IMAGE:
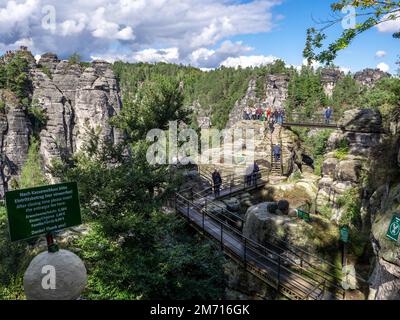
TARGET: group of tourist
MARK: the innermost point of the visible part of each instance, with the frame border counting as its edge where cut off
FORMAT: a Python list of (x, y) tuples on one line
[(251, 177), (268, 115)]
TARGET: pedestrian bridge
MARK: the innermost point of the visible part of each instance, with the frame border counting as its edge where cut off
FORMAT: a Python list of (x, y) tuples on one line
[(291, 271), (319, 121)]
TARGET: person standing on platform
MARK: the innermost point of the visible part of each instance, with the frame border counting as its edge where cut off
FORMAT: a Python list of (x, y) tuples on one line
[(217, 181), (328, 115)]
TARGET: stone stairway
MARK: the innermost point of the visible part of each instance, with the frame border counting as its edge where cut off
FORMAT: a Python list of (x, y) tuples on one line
[(276, 166)]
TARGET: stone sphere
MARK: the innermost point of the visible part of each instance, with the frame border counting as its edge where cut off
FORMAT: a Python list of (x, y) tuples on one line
[(55, 276)]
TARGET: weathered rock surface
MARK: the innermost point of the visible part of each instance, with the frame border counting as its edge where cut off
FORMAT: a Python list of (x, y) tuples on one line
[(368, 77), (340, 174), (385, 280), (329, 79), (275, 94), (73, 99), (14, 141)]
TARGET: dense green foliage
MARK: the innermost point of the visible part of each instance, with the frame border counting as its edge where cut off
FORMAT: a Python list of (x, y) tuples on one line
[(216, 91), (15, 76), (385, 97), (134, 250), (157, 102), (32, 172), (306, 93), (14, 259)]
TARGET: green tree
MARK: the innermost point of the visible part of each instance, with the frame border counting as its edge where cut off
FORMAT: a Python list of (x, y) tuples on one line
[(134, 250), (157, 102), (3, 76), (17, 72), (345, 94), (371, 13), (32, 173)]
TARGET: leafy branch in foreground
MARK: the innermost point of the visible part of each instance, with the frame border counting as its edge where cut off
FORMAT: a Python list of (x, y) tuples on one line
[(371, 12)]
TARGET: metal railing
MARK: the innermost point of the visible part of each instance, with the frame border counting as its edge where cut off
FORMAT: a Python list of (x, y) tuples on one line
[(264, 263), (311, 119)]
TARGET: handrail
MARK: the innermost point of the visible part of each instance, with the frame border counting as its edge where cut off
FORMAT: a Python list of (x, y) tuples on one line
[(286, 248), (303, 255), (247, 240)]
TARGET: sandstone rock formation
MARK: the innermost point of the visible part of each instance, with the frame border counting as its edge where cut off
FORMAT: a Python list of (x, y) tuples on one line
[(275, 94), (73, 99), (341, 172), (329, 79), (368, 77)]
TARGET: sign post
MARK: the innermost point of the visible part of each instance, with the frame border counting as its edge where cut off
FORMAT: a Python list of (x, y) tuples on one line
[(344, 234), (393, 232), (43, 210), (303, 215)]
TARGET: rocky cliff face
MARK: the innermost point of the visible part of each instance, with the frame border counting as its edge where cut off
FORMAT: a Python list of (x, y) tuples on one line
[(275, 94), (342, 171), (73, 99), (329, 79), (368, 77)]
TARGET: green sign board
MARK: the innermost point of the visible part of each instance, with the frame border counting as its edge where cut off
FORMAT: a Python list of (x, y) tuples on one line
[(303, 215), (393, 232), (38, 211), (344, 234)]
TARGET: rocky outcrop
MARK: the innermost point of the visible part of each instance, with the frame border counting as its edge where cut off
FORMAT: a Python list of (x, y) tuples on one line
[(15, 129), (329, 79), (73, 100), (342, 170), (385, 280), (274, 96), (368, 77)]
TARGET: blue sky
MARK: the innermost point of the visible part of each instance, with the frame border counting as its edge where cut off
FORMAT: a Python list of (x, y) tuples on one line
[(206, 33)]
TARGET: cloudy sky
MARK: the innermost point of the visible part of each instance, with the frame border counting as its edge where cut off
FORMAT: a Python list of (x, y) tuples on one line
[(202, 33)]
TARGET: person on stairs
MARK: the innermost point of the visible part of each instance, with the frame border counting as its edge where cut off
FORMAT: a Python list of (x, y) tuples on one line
[(328, 114), (277, 152), (217, 181), (272, 126)]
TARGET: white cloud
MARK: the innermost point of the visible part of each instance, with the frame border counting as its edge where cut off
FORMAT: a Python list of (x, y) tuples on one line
[(71, 27), (14, 13), (207, 58), (383, 67), (109, 30), (380, 54), (390, 25), (126, 28), (248, 61), (170, 55)]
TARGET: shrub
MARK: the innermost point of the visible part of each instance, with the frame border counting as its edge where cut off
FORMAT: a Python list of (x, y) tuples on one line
[(350, 203), (32, 173)]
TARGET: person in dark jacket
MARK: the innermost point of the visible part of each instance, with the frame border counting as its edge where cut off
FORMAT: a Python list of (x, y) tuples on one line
[(256, 171), (217, 181), (277, 152), (328, 114)]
